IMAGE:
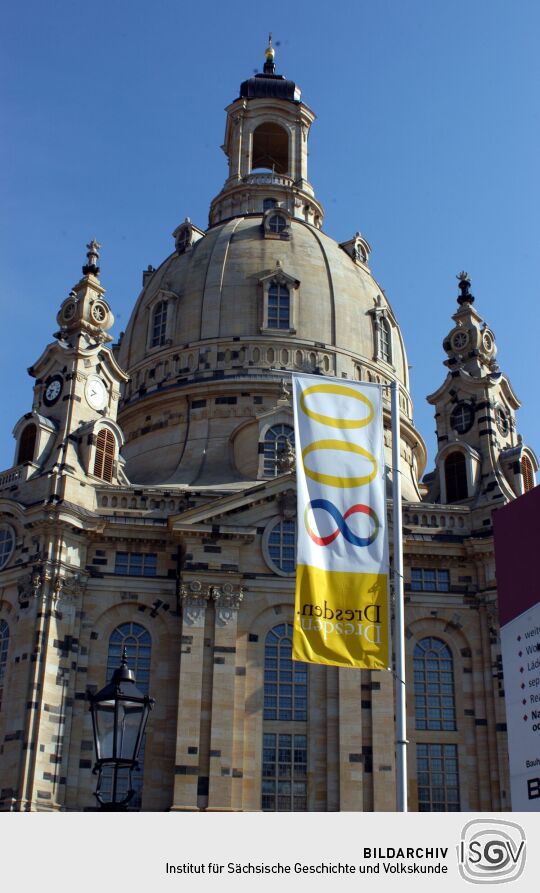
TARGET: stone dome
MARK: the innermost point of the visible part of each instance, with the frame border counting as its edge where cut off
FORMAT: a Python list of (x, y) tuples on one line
[(217, 345), (218, 287)]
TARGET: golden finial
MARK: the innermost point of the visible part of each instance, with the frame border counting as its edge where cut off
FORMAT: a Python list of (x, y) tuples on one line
[(270, 51)]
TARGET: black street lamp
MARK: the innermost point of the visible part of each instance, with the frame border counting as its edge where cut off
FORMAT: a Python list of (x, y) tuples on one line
[(119, 716)]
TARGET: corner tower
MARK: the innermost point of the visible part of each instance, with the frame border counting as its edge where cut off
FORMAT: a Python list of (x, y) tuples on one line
[(481, 461), (266, 143)]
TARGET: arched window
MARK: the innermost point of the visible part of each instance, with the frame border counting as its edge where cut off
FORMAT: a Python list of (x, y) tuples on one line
[(276, 439), (456, 477), (284, 763), (528, 474), (435, 707), (270, 148), (269, 203), (138, 644), (4, 645), (435, 710), (27, 444), (105, 451), (159, 324), (279, 306), (277, 223), (385, 340)]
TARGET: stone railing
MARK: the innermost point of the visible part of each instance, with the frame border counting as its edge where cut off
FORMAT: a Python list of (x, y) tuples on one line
[(11, 476), (435, 518), (145, 501), (269, 179)]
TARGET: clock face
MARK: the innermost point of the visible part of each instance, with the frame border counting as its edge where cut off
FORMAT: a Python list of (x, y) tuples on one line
[(488, 341), (53, 390), (96, 393)]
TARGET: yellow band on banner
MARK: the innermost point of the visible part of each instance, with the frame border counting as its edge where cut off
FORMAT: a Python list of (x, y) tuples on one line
[(343, 391), (341, 618), (336, 480)]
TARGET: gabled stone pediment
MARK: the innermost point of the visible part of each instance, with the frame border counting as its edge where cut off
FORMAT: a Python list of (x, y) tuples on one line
[(232, 510), (279, 275)]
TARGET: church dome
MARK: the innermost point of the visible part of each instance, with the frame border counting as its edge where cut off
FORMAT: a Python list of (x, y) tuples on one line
[(262, 293)]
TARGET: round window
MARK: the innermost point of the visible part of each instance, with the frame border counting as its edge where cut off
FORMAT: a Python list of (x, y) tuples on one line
[(99, 312), (488, 342), (7, 544), (69, 310), (462, 417), (459, 340), (279, 546)]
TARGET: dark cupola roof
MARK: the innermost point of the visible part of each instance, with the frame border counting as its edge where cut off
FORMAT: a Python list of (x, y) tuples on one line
[(268, 84)]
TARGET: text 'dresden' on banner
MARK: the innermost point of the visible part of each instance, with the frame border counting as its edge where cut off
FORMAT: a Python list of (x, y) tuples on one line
[(341, 607)]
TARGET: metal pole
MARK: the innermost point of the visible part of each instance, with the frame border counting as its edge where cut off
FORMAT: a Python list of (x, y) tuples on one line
[(399, 622)]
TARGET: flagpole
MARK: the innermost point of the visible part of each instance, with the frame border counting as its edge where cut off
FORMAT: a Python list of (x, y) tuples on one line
[(399, 621)]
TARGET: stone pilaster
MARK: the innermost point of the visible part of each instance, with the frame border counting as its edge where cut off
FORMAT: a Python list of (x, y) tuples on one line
[(224, 776), (194, 600), (383, 740), (351, 776)]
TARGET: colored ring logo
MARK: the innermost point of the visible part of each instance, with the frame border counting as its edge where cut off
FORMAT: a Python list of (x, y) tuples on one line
[(341, 521), (335, 480), (329, 420)]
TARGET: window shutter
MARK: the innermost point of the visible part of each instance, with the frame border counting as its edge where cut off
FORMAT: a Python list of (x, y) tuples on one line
[(528, 474), (105, 450)]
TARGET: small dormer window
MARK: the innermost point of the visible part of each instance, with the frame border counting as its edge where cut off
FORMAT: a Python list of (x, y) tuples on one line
[(277, 223), (159, 324), (183, 241), (269, 203), (360, 252), (279, 301), (384, 340), (279, 304)]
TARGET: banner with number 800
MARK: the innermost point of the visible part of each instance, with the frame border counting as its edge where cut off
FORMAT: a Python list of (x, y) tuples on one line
[(341, 606)]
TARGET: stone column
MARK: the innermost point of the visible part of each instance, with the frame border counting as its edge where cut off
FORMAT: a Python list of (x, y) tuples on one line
[(186, 771), (224, 777)]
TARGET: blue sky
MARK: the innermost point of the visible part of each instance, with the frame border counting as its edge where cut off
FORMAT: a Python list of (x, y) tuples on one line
[(426, 140)]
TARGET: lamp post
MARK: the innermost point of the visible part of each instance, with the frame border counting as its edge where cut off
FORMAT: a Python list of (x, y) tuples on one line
[(119, 716)]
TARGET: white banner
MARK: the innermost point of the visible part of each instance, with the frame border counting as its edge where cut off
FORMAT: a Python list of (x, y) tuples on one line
[(341, 613)]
